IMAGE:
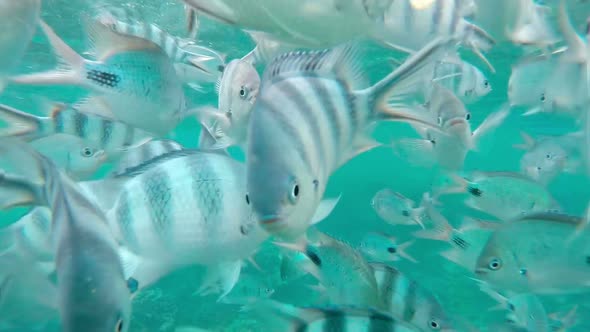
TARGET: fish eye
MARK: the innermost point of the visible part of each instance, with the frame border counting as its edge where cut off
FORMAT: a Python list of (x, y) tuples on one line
[(548, 156), (486, 83), (468, 116), (391, 250), (243, 92), (405, 213), (247, 199), (495, 264), (294, 193), (87, 152), (543, 98), (434, 325), (119, 326)]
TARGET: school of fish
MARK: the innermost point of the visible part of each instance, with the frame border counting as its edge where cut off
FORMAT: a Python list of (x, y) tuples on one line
[(129, 225)]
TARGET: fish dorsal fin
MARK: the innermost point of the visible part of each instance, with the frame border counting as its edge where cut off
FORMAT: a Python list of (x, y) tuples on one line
[(145, 153), (95, 105), (341, 62), (105, 42), (552, 217)]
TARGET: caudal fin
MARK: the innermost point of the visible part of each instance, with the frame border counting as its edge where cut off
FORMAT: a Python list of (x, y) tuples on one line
[(404, 75), (69, 70), (20, 124)]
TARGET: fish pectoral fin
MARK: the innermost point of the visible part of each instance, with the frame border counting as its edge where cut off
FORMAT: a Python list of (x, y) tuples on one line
[(220, 278), (490, 123), (324, 209), (361, 145), (143, 272)]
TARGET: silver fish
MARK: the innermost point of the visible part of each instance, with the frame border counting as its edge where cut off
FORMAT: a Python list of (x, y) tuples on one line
[(18, 23), (98, 131), (465, 80), (238, 90), (538, 253), (93, 294), (309, 119), (135, 77), (396, 209), (139, 155)]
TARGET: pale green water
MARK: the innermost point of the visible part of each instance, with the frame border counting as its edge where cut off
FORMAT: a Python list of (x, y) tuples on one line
[(170, 302)]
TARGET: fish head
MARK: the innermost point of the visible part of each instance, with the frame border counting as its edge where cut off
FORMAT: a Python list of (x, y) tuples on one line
[(82, 162), (482, 84), (238, 90), (430, 316), (283, 188), (393, 207), (499, 266), (544, 162), (454, 119)]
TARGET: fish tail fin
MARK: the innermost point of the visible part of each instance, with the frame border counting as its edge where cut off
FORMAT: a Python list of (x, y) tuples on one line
[(69, 71), (23, 125), (23, 185), (403, 253), (384, 91)]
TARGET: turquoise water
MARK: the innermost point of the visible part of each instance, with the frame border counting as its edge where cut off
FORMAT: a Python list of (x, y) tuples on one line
[(171, 302)]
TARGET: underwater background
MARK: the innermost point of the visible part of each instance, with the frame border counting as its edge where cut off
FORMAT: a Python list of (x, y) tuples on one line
[(171, 302)]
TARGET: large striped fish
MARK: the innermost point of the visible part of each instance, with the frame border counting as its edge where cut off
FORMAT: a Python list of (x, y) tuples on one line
[(284, 317), (134, 76), (408, 301), (194, 63), (92, 292), (184, 208), (411, 24), (310, 118), (96, 130)]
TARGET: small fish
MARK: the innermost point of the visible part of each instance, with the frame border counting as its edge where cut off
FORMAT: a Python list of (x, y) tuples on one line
[(465, 80), (19, 23), (93, 294), (529, 255), (518, 21), (285, 317), (409, 301), (342, 271), (95, 130), (238, 90), (449, 147), (134, 77), (383, 248), (248, 291), (309, 119), (193, 63), (547, 157), (504, 195), (79, 160), (397, 209), (171, 211), (409, 25), (326, 24)]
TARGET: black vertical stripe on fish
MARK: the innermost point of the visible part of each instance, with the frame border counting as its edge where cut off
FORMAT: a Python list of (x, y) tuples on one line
[(107, 132), (408, 16), (80, 124), (206, 191), (335, 321), (388, 283), (381, 323), (283, 121), (410, 301), (325, 98), (455, 12), (129, 135), (125, 219), (158, 192), (58, 122), (294, 94), (436, 17)]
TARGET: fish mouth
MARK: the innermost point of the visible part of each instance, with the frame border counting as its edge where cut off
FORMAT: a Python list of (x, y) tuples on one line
[(455, 122), (481, 271), (272, 219)]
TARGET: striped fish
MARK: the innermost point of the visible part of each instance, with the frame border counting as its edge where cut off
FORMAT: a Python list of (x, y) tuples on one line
[(134, 77), (285, 317), (96, 130), (465, 80), (93, 294), (140, 155), (194, 63), (408, 301), (183, 208), (31, 235), (411, 24), (309, 119)]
